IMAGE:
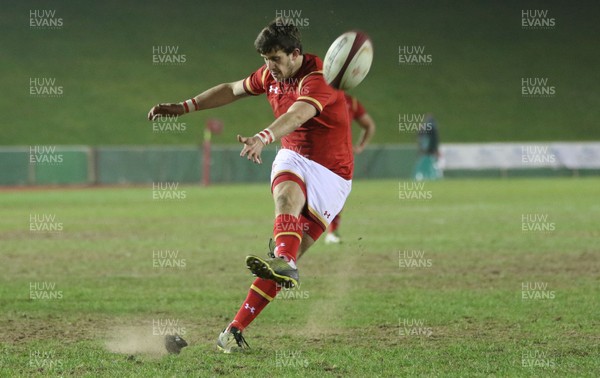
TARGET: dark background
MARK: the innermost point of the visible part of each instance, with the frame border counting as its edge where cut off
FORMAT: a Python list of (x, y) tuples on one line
[(102, 57)]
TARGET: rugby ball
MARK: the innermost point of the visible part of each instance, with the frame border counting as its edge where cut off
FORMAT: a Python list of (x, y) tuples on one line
[(348, 60)]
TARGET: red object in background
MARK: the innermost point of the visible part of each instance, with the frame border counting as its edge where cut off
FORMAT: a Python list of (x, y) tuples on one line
[(212, 126), (215, 126)]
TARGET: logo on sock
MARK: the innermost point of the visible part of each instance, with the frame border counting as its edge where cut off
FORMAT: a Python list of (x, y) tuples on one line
[(247, 307), (276, 250)]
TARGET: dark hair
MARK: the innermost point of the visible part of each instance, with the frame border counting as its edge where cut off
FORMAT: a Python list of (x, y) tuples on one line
[(280, 34)]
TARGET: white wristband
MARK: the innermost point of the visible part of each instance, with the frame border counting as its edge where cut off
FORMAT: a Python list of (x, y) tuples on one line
[(190, 105), (266, 136)]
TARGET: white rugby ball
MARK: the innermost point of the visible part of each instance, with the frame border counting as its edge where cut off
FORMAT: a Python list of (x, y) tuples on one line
[(348, 60)]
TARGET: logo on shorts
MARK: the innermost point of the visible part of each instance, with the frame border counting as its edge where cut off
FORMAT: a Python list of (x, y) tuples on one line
[(327, 214)]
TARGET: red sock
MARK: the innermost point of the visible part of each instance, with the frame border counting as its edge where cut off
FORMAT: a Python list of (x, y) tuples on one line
[(287, 233), (335, 223), (261, 293)]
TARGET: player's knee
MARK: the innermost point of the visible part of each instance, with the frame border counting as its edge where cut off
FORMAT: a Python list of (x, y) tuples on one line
[(287, 200), (282, 201), (285, 203)]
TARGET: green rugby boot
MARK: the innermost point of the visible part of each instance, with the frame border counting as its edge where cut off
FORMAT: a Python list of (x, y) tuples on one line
[(275, 269)]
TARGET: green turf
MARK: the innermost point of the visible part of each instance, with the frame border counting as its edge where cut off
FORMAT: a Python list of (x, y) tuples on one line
[(102, 57), (358, 311)]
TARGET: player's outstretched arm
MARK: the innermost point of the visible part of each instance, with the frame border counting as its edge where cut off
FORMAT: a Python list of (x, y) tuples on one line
[(296, 115), (368, 126), (214, 97)]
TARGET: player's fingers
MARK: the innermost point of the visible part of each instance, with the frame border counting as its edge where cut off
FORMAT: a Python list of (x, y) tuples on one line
[(245, 151), (157, 111), (252, 156), (255, 157), (151, 113), (249, 141)]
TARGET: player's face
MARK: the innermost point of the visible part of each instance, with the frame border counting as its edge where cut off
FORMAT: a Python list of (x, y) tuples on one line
[(281, 65)]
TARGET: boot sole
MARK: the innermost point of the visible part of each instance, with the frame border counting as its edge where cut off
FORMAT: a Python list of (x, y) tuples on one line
[(262, 269)]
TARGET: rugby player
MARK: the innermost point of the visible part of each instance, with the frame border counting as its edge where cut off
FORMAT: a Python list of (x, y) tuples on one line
[(356, 112), (311, 176)]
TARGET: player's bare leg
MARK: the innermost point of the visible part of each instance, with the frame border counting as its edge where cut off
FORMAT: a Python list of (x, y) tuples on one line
[(289, 198), (307, 242), (275, 272), (287, 232)]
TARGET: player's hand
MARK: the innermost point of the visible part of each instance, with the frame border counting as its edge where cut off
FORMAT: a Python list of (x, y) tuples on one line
[(165, 109), (252, 148), (358, 149)]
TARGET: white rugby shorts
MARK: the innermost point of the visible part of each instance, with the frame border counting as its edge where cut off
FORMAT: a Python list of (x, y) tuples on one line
[(326, 192)]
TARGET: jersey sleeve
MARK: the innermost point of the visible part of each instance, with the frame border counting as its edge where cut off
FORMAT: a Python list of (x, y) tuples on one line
[(255, 83), (315, 91)]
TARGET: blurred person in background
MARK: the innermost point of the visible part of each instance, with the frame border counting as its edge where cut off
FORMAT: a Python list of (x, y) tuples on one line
[(428, 141), (356, 112)]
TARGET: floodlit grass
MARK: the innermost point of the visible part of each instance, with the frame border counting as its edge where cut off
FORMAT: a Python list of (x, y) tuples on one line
[(431, 287)]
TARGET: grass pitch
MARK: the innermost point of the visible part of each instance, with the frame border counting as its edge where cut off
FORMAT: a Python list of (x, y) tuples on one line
[(467, 278)]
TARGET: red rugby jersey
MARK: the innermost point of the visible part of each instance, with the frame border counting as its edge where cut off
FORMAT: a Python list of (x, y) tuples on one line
[(325, 138)]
